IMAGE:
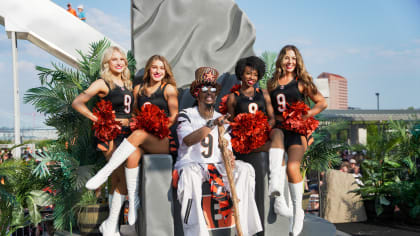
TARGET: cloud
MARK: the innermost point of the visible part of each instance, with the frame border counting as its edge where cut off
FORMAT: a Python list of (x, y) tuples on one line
[(416, 41), (110, 26), (1, 66)]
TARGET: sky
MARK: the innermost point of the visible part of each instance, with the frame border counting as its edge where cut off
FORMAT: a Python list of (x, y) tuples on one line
[(374, 44)]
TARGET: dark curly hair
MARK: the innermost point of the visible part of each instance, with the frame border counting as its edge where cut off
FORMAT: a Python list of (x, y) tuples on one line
[(254, 62)]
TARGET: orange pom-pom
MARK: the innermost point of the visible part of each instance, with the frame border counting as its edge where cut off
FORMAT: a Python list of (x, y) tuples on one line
[(293, 120), (153, 120), (106, 128), (223, 105), (249, 131)]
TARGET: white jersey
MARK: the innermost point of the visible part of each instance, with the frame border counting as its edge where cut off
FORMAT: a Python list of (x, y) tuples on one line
[(206, 151)]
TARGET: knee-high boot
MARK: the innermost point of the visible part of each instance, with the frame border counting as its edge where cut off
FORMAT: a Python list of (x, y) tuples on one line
[(277, 181), (132, 179), (296, 192), (118, 157), (110, 226)]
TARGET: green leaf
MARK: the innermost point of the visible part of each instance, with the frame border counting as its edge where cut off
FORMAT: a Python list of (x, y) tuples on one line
[(378, 207), (415, 211), (17, 215), (392, 163), (41, 198), (34, 214), (383, 200)]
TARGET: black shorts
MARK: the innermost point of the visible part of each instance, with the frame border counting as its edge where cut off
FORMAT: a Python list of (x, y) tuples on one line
[(290, 137), (104, 146)]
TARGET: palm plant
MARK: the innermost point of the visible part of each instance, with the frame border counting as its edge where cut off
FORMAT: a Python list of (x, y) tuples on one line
[(66, 179), (270, 66), (21, 192), (390, 166), (405, 190), (323, 154)]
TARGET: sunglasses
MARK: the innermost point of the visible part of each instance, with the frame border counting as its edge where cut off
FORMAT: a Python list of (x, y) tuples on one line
[(206, 89)]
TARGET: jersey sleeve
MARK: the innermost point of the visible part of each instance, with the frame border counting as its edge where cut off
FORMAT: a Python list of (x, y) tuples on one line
[(184, 126)]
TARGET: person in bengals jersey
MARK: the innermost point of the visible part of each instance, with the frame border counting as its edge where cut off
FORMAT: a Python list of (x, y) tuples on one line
[(290, 83), (114, 86), (200, 159), (250, 99)]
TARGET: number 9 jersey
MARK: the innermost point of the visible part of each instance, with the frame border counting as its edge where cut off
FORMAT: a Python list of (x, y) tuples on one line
[(121, 99), (206, 151), (285, 94)]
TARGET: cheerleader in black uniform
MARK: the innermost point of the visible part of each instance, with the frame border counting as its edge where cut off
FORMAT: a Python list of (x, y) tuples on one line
[(114, 86), (158, 88), (291, 83), (249, 99)]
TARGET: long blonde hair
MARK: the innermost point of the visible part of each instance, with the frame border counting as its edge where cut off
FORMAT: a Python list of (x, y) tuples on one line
[(169, 76), (301, 73), (106, 74)]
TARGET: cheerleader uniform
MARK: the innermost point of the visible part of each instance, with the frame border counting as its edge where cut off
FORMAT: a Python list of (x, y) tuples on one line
[(253, 104), (122, 103), (158, 99), (280, 97)]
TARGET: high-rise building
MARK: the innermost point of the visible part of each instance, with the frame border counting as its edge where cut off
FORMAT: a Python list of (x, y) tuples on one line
[(336, 94)]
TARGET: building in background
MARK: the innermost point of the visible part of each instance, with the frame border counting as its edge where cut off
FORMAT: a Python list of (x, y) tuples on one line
[(334, 89)]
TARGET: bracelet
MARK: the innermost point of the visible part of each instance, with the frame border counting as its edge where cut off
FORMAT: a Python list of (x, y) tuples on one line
[(210, 124)]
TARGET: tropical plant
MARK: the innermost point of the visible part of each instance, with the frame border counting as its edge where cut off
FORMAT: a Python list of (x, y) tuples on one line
[(323, 154), (66, 179), (21, 196), (392, 153), (270, 66), (406, 193)]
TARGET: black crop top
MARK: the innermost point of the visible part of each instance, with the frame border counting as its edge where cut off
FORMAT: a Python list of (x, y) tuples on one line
[(246, 104), (157, 98), (285, 94), (121, 99)]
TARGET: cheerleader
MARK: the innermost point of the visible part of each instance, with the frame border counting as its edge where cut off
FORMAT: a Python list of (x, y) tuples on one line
[(114, 86), (158, 88), (248, 99), (291, 83)]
